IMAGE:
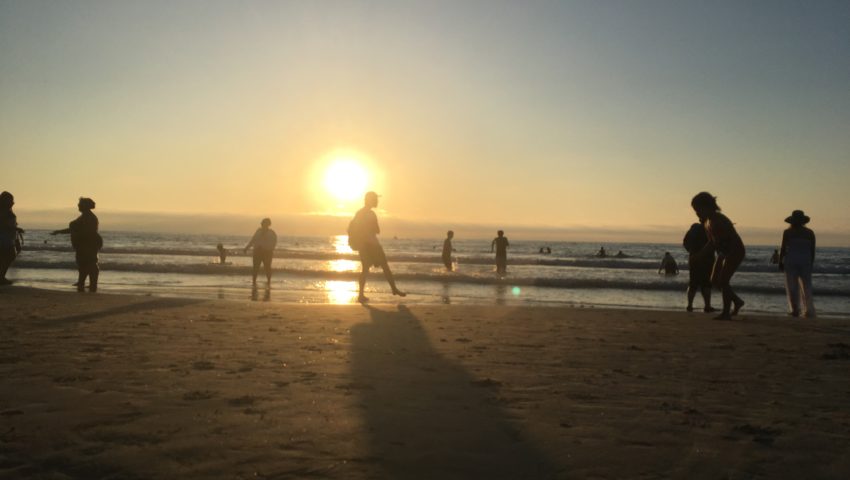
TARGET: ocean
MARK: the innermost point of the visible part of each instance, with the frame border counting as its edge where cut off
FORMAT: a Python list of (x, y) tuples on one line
[(324, 270)]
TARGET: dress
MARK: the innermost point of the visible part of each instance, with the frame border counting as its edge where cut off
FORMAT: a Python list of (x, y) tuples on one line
[(501, 244)]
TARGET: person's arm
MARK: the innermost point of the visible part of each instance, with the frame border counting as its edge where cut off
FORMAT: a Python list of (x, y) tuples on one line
[(63, 231), (782, 252), (493, 245), (251, 243)]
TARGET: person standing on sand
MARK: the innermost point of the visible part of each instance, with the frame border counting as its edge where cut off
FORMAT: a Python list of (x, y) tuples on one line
[(363, 236), (10, 245), (222, 253), (724, 239), (263, 241), (699, 268), (447, 250), (796, 259), (86, 242), (501, 244)]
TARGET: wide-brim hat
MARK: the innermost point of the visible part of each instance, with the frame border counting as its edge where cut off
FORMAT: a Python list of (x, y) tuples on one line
[(797, 218)]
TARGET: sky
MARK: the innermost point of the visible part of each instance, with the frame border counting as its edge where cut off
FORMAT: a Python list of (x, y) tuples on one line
[(548, 114)]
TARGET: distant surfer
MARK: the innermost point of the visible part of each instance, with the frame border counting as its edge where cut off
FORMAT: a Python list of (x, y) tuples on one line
[(500, 244), (447, 250), (601, 253), (263, 241), (363, 236), (774, 259), (620, 254)]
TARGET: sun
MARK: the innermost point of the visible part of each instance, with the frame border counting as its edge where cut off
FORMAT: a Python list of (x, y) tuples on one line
[(345, 179)]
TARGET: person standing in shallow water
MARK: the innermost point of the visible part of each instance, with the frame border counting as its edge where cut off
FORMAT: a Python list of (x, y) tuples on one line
[(447, 250), (263, 241), (363, 236), (9, 244), (724, 239), (86, 242), (699, 267), (500, 244), (796, 259)]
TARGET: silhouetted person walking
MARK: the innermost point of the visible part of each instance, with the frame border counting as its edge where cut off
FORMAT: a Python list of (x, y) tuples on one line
[(729, 247), (668, 265), (363, 236), (86, 242), (447, 250), (10, 243), (796, 259), (500, 244), (263, 241), (699, 267)]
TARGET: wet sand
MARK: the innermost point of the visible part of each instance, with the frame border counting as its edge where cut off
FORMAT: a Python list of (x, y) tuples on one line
[(113, 386)]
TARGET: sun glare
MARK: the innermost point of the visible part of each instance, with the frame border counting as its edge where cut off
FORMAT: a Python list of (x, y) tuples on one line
[(346, 179)]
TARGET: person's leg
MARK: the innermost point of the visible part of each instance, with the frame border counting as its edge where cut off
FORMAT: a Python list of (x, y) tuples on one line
[(388, 274), (692, 292), (806, 290), (82, 273), (5, 263), (267, 264), (94, 273), (792, 289), (364, 271), (706, 298), (256, 269)]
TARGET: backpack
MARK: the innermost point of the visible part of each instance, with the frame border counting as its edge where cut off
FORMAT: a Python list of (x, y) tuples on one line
[(355, 233)]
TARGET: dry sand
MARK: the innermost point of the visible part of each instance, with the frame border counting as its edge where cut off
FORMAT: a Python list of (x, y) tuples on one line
[(109, 386)]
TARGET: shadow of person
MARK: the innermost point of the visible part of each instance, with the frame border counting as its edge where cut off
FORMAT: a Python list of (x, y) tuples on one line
[(427, 417)]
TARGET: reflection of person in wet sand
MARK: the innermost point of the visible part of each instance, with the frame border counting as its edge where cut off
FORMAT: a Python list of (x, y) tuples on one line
[(263, 241), (668, 265), (724, 239), (363, 236), (500, 244), (447, 250), (222, 253), (86, 242)]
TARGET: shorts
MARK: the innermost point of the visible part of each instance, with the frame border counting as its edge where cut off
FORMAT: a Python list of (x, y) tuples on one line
[(263, 257), (372, 255)]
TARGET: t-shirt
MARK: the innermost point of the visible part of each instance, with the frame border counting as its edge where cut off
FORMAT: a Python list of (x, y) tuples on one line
[(798, 246), (264, 239), (501, 244), (84, 232)]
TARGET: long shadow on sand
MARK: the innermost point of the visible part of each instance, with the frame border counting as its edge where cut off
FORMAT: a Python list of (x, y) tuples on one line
[(426, 416), (124, 309)]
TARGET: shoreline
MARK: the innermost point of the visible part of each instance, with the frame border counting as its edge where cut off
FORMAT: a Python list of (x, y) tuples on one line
[(151, 387)]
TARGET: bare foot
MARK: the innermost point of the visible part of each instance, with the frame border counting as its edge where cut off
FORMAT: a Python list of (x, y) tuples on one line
[(399, 293), (689, 308), (362, 299), (709, 309), (737, 307), (723, 316)]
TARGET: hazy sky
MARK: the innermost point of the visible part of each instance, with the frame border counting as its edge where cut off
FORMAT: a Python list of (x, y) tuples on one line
[(593, 113)]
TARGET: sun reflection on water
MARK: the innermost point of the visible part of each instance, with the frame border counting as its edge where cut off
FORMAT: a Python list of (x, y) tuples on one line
[(340, 292), (340, 244)]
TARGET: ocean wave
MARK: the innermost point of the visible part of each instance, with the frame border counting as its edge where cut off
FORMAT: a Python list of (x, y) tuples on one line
[(655, 283), (475, 259)]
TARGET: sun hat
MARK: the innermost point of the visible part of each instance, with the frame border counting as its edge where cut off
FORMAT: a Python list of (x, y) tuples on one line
[(797, 218)]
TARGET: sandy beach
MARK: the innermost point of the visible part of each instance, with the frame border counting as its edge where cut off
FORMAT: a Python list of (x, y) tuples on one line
[(114, 386)]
